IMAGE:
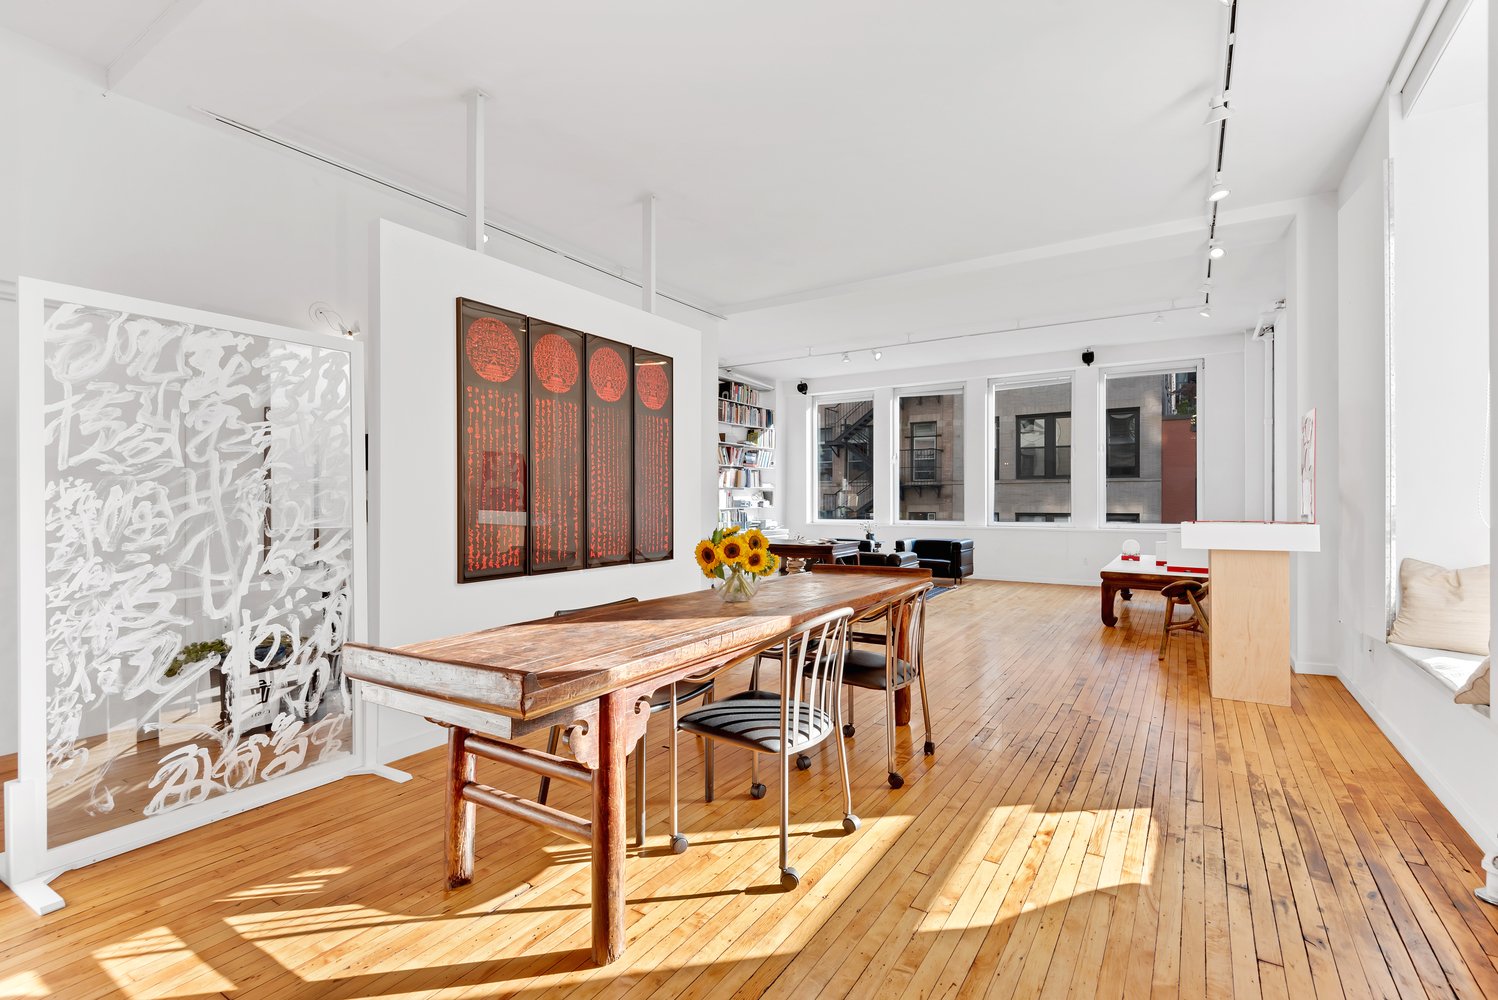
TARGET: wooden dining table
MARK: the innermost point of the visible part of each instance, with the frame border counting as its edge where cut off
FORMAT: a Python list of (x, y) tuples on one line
[(593, 673)]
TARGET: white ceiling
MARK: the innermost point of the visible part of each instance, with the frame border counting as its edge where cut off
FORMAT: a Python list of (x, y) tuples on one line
[(792, 146)]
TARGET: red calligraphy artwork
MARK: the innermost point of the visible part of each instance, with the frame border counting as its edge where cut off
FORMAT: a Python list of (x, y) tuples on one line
[(610, 453), (493, 466), (654, 412), (556, 537)]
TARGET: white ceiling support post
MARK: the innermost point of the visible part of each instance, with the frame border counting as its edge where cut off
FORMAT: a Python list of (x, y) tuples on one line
[(475, 205), (647, 253)]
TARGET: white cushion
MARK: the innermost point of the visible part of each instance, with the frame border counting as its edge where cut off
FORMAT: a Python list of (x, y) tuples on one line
[(1452, 669), (1442, 608)]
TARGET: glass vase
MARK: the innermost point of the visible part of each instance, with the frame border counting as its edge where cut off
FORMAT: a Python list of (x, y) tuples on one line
[(738, 586)]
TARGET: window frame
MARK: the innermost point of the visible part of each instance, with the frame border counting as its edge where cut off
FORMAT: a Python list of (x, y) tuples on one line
[(899, 393), (814, 457), (1108, 443), (1022, 380), (1048, 449), (1100, 466)]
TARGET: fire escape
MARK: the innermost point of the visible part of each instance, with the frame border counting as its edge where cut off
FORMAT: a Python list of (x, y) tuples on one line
[(847, 445)]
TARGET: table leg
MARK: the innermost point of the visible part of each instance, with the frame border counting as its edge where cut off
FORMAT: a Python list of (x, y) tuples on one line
[(462, 816), (1109, 618), (902, 707), (608, 829)]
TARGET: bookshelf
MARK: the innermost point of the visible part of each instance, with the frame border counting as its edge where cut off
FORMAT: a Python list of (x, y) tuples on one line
[(746, 454)]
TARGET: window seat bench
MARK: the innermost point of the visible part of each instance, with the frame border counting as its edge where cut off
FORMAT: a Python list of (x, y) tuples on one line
[(1452, 669)]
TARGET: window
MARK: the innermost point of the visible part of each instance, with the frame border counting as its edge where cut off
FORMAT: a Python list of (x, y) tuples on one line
[(845, 460), (1123, 442), (1043, 446), (1032, 449), (1150, 455), (930, 435)]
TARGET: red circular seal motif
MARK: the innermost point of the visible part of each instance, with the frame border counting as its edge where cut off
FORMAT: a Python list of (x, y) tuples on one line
[(492, 349), (652, 385), (607, 373), (555, 362)]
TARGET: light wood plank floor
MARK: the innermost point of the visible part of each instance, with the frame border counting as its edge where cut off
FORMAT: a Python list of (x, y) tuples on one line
[(1093, 824)]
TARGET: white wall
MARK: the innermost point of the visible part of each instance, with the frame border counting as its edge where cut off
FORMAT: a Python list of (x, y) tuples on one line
[(1450, 746), (1441, 336), (414, 463), (100, 191), (1230, 421)]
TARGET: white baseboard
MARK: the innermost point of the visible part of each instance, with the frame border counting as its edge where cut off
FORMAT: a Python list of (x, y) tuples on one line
[(1469, 820), (1313, 667)]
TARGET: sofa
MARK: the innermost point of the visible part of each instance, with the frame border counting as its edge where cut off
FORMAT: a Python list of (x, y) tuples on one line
[(867, 556), (944, 557)]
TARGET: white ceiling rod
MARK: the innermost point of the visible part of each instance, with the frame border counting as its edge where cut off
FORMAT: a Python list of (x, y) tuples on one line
[(647, 253), (475, 203)]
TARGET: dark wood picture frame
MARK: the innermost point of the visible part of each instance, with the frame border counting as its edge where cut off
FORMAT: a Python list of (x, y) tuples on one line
[(492, 407), (555, 540), (609, 443), (654, 458)]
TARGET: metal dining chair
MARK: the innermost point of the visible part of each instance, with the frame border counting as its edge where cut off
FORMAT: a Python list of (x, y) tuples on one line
[(807, 713), (666, 697), (1187, 592), (884, 670)]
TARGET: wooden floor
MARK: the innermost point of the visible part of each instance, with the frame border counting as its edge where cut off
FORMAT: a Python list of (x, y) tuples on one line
[(1092, 824)]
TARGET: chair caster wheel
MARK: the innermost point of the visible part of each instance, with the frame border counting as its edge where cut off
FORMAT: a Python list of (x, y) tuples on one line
[(850, 823), (789, 878), (848, 731), (678, 843), (803, 763), (757, 791), (930, 748), (895, 781)]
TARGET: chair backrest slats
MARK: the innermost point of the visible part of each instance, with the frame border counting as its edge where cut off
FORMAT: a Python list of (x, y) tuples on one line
[(811, 679)]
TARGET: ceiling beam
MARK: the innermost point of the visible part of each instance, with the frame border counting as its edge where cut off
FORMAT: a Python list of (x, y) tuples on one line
[(168, 21), (1105, 241)]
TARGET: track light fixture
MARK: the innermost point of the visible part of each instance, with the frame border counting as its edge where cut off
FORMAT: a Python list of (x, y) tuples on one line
[(1220, 110), (1219, 190), (1159, 318), (846, 359), (1205, 288), (1206, 312), (878, 355), (1215, 250)]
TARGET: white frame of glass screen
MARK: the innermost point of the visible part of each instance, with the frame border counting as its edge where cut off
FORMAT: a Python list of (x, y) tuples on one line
[(28, 864)]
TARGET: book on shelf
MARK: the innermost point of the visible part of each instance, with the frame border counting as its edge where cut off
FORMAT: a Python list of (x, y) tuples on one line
[(741, 413), (734, 477), (737, 392), (737, 454)]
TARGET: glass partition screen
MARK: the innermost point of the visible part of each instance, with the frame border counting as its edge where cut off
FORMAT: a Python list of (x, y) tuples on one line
[(199, 497)]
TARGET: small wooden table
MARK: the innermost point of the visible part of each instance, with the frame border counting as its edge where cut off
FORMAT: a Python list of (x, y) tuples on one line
[(1125, 575), (594, 673), (814, 552)]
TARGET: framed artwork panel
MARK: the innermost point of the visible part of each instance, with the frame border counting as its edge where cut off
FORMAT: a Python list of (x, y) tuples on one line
[(493, 442)]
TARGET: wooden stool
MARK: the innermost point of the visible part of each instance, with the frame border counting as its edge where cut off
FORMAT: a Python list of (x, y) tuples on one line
[(1184, 592)]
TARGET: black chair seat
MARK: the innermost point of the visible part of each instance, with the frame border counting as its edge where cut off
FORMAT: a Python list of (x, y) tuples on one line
[(755, 723), (865, 669), (685, 692)]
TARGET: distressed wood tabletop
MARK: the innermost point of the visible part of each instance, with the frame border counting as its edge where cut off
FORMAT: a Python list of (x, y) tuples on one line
[(535, 668)]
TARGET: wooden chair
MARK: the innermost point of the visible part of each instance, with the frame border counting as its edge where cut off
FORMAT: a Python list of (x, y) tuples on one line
[(667, 697), (885, 670), (1187, 592), (807, 713)]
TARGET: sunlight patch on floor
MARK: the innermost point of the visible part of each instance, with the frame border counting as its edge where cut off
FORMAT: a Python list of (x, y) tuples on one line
[(121, 960)]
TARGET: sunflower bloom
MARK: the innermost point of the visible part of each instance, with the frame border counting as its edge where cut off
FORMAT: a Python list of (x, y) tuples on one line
[(731, 551), (754, 561), (772, 563), (707, 557), (755, 540)]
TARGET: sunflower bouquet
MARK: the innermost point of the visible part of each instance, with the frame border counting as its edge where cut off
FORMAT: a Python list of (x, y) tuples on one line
[(738, 558)]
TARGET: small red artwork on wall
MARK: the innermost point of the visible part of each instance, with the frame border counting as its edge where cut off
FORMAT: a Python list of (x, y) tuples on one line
[(492, 349), (653, 385), (608, 374), (556, 363)]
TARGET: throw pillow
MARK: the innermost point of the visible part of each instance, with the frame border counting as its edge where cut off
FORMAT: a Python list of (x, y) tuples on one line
[(1442, 608)]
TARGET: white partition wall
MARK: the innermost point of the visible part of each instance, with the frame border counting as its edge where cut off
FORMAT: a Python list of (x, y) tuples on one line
[(191, 545)]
